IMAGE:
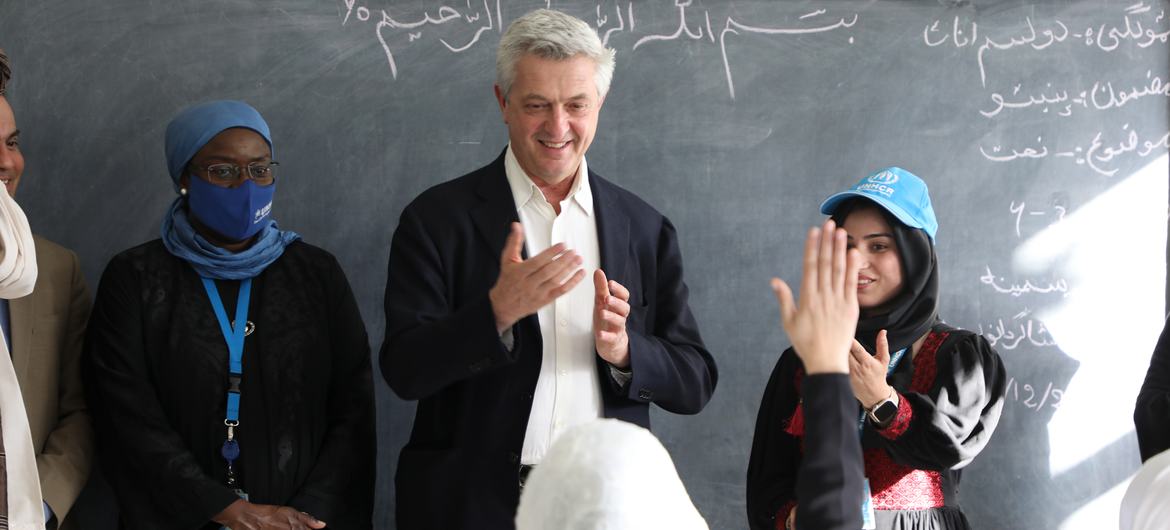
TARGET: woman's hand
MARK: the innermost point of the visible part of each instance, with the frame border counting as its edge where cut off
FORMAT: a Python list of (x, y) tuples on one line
[(867, 373), (821, 326), (243, 515)]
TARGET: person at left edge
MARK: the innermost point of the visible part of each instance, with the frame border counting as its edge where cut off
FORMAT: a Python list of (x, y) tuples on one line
[(44, 333), (495, 328), (158, 353)]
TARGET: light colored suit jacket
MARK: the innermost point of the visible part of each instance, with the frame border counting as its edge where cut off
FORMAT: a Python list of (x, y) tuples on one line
[(48, 327)]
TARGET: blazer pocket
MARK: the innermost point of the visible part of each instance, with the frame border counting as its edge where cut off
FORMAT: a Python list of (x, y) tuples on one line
[(637, 319)]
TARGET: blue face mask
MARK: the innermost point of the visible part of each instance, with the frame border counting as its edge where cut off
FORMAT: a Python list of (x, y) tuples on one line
[(234, 213)]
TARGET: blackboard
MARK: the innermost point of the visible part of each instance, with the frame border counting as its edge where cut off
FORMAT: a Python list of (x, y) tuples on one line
[(1041, 127)]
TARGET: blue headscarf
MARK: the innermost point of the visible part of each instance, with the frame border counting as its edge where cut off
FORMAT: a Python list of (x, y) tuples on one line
[(186, 135)]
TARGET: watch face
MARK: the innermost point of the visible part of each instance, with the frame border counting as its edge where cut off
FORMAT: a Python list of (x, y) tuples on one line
[(885, 412)]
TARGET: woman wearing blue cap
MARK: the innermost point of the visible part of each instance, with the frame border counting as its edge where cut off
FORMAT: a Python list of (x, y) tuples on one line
[(228, 366), (929, 395)]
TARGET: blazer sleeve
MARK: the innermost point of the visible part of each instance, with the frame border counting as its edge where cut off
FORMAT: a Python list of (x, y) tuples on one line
[(340, 488), (775, 456), (430, 342), (1151, 416), (137, 443), (670, 365), (829, 485), (948, 426), (65, 459)]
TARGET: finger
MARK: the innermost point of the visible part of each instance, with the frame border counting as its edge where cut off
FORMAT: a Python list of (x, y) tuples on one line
[(310, 521), (619, 290), (513, 245), (808, 280), (549, 255), (857, 352), (852, 269), (840, 247), (784, 297), (606, 338), (825, 257), (600, 289), (883, 348), (619, 306), (569, 284), (610, 321), (557, 270)]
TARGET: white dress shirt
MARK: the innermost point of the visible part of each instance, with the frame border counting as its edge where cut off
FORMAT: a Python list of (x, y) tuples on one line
[(568, 390)]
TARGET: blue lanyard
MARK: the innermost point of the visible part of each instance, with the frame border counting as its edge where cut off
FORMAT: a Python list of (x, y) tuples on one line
[(894, 359), (234, 336)]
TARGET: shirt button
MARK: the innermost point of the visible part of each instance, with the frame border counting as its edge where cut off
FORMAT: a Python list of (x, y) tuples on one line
[(564, 323)]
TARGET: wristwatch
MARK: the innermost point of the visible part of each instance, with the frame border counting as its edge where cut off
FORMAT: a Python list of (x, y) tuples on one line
[(883, 413)]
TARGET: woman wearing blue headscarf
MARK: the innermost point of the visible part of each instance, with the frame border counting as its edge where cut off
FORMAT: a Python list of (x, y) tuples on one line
[(228, 366)]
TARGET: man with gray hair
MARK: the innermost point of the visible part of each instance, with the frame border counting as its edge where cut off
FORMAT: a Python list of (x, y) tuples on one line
[(490, 323)]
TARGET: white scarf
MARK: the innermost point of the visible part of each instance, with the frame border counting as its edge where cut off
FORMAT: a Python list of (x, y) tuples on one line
[(606, 475), (18, 274), (1145, 505)]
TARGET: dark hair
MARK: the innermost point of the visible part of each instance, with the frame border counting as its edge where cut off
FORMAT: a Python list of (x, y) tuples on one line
[(5, 72)]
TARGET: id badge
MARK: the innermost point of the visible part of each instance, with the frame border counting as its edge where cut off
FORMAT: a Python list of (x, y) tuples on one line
[(868, 520)]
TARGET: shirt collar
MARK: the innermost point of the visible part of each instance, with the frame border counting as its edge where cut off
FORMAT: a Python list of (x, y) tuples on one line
[(524, 190)]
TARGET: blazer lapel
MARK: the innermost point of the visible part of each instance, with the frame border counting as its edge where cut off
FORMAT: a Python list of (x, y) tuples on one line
[(20, 313), (494, 216), (613, 230)]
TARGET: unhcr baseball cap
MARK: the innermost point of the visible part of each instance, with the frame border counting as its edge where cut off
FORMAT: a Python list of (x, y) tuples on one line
[(900, 192)]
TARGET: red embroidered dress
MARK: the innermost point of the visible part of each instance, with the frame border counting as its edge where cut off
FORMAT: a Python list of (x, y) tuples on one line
[(950, 399)]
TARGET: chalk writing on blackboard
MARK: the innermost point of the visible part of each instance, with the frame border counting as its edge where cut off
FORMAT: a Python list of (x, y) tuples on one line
[(472, 17), (1003, 285), (1011, 333), (1097, 153), (1103, 95), (1107, 36), (477, 18), (1057, 209), (1032, 397), (734, 27)]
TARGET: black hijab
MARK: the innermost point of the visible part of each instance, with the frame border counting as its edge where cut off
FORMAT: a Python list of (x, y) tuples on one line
[(912, 312)]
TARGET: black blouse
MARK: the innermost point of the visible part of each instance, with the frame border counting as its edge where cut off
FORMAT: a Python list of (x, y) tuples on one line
[(951, 397), (157, 382), (1152, 414)]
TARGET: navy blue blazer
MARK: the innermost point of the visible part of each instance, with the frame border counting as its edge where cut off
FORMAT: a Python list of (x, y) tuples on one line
[(459, 469)]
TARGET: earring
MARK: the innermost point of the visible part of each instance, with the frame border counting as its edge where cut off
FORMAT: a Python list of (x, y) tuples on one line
[(182, 191)]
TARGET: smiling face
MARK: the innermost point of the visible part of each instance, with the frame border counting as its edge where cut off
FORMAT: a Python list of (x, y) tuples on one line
[(551, 113), (11, 159), (880, 277)]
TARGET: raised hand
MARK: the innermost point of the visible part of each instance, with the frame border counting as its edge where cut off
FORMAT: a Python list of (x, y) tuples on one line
[(526, 285), (867, 373), (611, 307), (822, 324)]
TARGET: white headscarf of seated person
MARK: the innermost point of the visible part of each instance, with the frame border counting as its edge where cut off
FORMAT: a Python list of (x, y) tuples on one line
[(1146, 505), (606, 474), (18, 274)]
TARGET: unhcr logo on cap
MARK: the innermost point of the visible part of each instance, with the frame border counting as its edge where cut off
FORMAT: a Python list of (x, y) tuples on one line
[(883, 177), (900, 192), (881, 182)]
